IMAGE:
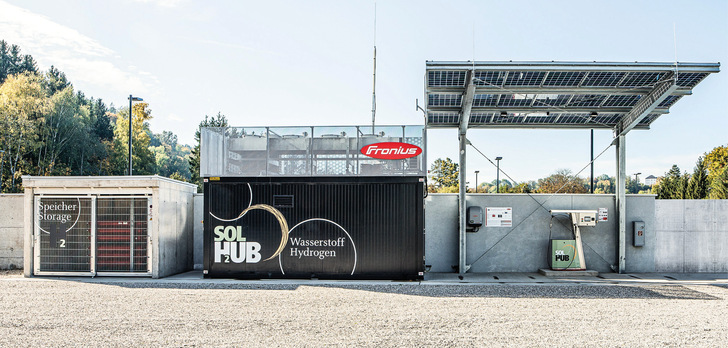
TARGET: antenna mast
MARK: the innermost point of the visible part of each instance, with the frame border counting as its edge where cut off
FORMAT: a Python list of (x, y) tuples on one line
[(374, 83)]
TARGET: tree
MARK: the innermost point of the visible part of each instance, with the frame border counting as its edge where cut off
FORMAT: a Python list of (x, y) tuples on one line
[(172, 158), (698, 184), (62, 124), (716, 161), (143, 160), (673, 185), (520, 188), (719, 185), (604, 184), (445, 172), (216, 121), (22, 105), (562, 182), (55, 81), (12, 62)]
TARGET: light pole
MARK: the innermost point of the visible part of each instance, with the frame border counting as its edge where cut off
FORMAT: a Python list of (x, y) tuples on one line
[(476, 180), (636, 183), (497, 175), (131, 99)]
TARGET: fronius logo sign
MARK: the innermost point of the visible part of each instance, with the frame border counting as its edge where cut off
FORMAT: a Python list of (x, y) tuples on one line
[(391, 151)]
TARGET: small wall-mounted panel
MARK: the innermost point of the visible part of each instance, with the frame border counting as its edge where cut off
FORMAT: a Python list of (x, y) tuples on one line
[(639, 233)]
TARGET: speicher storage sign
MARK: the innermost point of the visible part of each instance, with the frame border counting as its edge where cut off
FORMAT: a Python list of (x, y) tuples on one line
[(325, 227)]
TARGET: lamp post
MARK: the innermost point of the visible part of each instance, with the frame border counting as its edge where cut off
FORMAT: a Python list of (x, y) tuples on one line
[(637, 183), (131, 99), (497, 175), (476, 180)]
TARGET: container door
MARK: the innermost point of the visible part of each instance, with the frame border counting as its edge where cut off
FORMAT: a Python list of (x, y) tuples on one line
[(63, 235), (121, 235)]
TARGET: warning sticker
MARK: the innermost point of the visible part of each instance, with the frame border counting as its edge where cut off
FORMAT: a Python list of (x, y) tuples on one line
[(499, 217), (603, 214)]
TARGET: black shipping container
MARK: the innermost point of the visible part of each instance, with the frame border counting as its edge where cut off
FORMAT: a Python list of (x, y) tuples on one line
[(314, 227)]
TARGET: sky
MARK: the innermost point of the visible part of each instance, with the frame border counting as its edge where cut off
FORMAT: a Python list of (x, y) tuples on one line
[(309, 63)]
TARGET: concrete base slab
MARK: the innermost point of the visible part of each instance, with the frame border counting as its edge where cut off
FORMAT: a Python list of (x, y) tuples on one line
[(552, 273)]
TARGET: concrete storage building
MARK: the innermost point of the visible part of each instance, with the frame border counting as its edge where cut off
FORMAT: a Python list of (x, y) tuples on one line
[(115, 226)]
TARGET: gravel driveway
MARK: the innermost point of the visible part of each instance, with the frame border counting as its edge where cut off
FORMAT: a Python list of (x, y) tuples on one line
[(72, 313)]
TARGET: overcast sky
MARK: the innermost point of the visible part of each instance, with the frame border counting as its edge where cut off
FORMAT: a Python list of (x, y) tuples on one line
[(300, 63)]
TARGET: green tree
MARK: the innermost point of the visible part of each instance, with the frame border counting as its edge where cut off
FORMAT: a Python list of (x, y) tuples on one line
[(716, 161), (520, 188), (12, 62), (673, 185), (172, 158), (45, 127), (445, 173), (143, 160), (719, 185), (61, 128), (562, 182), (505, 186), (194, 159), (604, 184), (22, 105), (698, 184)]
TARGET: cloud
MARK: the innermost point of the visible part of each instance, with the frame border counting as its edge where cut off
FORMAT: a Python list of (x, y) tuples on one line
[(84, 60), (174, 117), (162, 3)]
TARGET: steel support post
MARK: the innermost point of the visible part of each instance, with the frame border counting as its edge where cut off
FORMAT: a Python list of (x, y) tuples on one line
[(467, 106), (462, 265), (621, 201)]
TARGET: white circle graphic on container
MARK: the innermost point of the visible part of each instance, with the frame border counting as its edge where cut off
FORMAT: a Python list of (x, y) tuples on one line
[(318, 249)]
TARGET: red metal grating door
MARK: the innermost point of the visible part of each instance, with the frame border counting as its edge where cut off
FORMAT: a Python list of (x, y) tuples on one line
[(121, 234)]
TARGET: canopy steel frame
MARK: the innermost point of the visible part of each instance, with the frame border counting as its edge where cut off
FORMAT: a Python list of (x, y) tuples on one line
[(652, 83)]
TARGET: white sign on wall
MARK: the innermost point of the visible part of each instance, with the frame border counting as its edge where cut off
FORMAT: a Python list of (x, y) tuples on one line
[(499, 217), (603, 214)]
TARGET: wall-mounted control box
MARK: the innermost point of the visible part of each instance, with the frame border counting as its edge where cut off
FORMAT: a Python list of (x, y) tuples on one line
[(586, 218), (475, 216), (639, 233)]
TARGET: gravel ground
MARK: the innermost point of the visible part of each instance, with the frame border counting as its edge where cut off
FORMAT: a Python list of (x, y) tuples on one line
[(72, 313)]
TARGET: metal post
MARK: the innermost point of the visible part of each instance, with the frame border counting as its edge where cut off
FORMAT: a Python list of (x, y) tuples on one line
[(130, 120), (497, 178), (497, 174), (462, 264), (621, 201), (591, 184), (476, 180), (267, 148), (131, 236), (131, 99)]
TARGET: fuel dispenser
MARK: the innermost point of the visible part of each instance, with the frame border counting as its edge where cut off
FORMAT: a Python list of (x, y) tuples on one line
[(568, 254)]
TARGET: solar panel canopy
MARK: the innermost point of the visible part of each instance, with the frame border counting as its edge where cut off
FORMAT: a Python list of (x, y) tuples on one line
[(614, 95)]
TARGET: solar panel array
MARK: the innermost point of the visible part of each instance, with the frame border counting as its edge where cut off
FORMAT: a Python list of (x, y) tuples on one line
[(552, 94)]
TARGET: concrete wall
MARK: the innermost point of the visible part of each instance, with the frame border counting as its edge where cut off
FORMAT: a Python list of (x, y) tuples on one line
[(681, 235), (198, 230), (175, 234), (11, 231), (692, 235), (524, 246)]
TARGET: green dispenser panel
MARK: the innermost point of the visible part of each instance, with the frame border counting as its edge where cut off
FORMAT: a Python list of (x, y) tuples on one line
[(563, 254)]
